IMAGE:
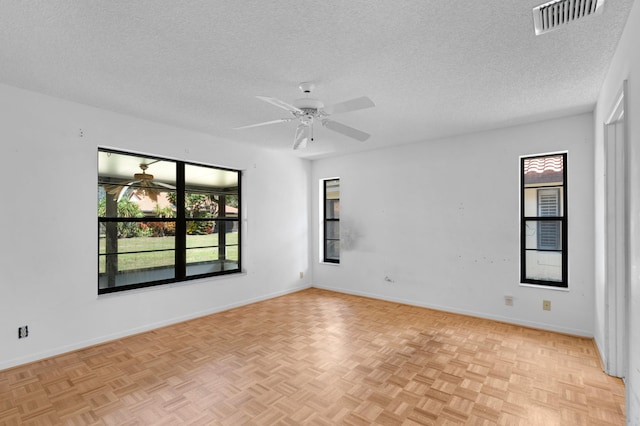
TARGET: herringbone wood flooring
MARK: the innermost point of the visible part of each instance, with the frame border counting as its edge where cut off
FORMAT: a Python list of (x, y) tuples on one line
[(321, 358)]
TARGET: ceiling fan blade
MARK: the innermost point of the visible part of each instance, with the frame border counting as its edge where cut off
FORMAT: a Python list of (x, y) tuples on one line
[(164, 185), (280, 104), (302, 137), (350, 105), (281, 120), (114, 190), (346, 130)]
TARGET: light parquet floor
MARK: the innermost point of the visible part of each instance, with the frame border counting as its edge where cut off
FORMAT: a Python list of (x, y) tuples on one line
[(321, 358)]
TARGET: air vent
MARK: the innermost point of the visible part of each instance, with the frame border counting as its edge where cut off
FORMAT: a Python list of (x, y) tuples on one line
[(549, 16)]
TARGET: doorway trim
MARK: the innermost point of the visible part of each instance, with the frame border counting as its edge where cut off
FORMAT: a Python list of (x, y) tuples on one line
[(616, 236)]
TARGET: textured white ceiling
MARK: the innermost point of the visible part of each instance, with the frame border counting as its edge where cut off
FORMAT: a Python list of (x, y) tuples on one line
[(434, 68)]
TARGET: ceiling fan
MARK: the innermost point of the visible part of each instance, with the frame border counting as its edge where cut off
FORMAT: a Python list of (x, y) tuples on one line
[(308, 110), (142, 184)]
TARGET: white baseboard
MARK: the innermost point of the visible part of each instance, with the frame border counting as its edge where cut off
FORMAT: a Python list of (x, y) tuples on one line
[(531, 324), (137, 330)]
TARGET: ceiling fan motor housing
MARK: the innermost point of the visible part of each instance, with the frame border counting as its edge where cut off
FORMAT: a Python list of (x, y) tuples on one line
[(143, 175), (308, 104)]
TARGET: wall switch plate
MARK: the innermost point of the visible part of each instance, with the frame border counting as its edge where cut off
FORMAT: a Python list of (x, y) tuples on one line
[(23, 332), (546, 305)]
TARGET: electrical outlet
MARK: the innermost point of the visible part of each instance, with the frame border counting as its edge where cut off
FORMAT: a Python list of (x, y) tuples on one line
[(301, 275), (23, 332), (508, 300), (546, 305)]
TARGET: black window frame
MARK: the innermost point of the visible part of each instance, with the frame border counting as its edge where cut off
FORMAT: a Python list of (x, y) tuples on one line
[(181, 222), (561, 219), (329, 221)]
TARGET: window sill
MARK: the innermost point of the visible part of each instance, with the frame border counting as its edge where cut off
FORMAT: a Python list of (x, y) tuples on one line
[(329, 263), (168, 286), (544, 287)]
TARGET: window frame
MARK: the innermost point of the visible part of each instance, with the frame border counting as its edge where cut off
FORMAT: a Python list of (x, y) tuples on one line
[(561, 218), (326, 220), (181, 220)]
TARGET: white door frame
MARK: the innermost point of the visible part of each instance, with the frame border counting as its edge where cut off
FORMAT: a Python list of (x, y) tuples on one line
[(616, 237)]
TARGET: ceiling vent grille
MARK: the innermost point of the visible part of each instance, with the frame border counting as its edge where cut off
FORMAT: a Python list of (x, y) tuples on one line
[(549, 16)]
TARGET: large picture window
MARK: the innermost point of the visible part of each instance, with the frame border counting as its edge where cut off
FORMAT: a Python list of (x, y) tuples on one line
[(544, 220), (331, 199), (162, 221)]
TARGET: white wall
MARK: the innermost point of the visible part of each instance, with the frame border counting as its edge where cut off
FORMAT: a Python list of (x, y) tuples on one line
[(440, 219), (48, 267), (624, 66)]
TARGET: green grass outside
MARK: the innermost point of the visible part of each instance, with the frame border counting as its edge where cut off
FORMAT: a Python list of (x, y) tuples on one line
[(158, 258)]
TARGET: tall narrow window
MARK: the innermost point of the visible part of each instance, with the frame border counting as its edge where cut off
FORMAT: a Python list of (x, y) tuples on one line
[(162, 221), (332, 220), (544, 220)]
